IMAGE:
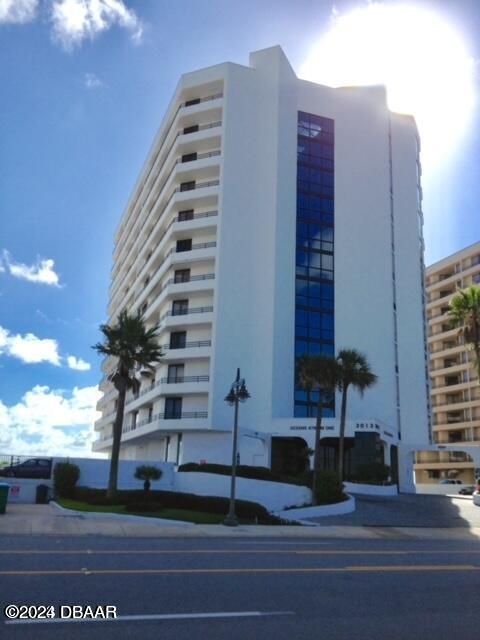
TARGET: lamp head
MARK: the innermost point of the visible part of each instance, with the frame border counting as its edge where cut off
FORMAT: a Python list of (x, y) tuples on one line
[(243, 393), (230, 398)]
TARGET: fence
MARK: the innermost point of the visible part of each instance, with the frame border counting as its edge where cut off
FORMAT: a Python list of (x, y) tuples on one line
[(8, 459)]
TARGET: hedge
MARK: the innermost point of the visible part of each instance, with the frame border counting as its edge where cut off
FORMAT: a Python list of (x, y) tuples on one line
[(135, 501), (244, 471)]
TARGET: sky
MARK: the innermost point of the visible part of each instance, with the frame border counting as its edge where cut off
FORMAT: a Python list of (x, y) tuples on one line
[(84, 85)]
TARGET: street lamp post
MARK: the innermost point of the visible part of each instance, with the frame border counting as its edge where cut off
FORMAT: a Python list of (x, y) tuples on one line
[(238, 393)]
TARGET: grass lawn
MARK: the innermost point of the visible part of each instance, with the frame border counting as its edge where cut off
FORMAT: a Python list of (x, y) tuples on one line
[(198, 517)]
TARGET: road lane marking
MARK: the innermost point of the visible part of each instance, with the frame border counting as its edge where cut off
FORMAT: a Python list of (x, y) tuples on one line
[(354, 568), (329, 552), (161, 616)]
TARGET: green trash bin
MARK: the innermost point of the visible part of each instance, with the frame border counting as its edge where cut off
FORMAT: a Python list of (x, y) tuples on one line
[(4, 489)]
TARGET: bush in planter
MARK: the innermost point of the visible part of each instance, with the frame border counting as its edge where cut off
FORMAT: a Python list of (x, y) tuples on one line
[(147, 473), (65, 477), (329, 488)]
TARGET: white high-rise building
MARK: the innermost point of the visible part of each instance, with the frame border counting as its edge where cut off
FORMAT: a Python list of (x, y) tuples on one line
[(273, 217)]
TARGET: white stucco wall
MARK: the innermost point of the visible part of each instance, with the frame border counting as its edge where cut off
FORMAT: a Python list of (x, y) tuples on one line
[(275, 496)]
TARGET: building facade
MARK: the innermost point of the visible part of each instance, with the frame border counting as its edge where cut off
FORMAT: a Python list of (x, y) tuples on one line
[(455, 388), (273, 217)]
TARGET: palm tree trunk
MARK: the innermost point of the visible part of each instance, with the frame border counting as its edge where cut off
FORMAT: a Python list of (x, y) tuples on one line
[(117, 437), (341, 435), (316, 455)]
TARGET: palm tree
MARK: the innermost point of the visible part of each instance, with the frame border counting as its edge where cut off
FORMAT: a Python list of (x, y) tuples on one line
[(354, 371), (135, 347), (464, 314), (317, 373)]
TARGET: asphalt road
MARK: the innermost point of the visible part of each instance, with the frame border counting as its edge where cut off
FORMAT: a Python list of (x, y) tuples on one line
[(409, 510), (245, 588)]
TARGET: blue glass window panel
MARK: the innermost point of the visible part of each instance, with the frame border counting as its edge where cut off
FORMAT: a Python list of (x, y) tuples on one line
[(300, 395), (301, 411), (301, 271)]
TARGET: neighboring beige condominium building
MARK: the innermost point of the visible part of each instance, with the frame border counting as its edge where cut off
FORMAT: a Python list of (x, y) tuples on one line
[(455, 389)]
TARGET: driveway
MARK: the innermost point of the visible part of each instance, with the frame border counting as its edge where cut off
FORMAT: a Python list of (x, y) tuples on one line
[(407, 510)]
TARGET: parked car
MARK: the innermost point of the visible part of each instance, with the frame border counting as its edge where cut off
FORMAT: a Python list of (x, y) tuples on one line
[(450, 481), (31, 468), (468, 490)]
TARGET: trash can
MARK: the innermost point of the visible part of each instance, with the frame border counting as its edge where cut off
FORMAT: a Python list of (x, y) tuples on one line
[(4, 489), (41, 496)]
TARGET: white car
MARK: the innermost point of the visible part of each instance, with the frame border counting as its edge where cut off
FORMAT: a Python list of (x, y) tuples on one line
[(476, 498)]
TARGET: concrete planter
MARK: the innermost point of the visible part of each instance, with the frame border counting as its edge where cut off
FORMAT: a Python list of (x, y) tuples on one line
[(371, 489), (337, 509)]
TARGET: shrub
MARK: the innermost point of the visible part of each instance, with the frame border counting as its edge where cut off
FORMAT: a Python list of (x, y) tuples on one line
[(134, 501), (243, 471), (329, 488), (147, 473), (65, 477)]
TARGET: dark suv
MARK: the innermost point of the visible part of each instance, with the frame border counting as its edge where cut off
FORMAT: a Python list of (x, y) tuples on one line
[(31, 468)]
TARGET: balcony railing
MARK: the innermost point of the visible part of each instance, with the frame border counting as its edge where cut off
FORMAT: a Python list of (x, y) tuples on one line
[(178, 379), (186, 415), (185, 312), (187, 345), (182, 379), (197, 278)]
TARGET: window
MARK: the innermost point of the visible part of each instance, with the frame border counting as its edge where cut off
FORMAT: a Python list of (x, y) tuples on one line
[(184, 245), (187, 186), (167, 448), (186, 214), (150, 413), (314, 301), (178, 339), (179, 307), (189, 103), (175, 373), (192, 129), (144, 307), (189, 157), (181, 275), (173, 408), (134, 419)]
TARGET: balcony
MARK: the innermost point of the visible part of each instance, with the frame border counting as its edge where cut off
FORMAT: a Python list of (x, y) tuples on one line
[(181, 315), (163, 199), (189, 385), (186, 421), (158, 159)]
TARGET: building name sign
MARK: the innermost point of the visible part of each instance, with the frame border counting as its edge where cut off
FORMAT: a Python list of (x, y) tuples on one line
[(310, 427)]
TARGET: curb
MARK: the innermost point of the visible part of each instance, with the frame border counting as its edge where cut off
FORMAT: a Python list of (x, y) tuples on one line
[(322, 511), (120, 516)]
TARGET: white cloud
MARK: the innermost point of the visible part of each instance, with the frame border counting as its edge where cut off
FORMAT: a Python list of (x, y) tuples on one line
[(78, 364), (77, 20), (42, 271), (18, 11), (92, 81), (29, 348), (50, 422)]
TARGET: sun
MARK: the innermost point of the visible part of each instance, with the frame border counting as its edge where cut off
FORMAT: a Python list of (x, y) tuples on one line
[(423, 61)]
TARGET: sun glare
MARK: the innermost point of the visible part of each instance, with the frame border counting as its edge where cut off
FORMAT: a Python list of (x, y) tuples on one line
[(421, 59)]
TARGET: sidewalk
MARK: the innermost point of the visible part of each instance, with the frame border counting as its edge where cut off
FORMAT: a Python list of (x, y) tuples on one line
[(26, 519)]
